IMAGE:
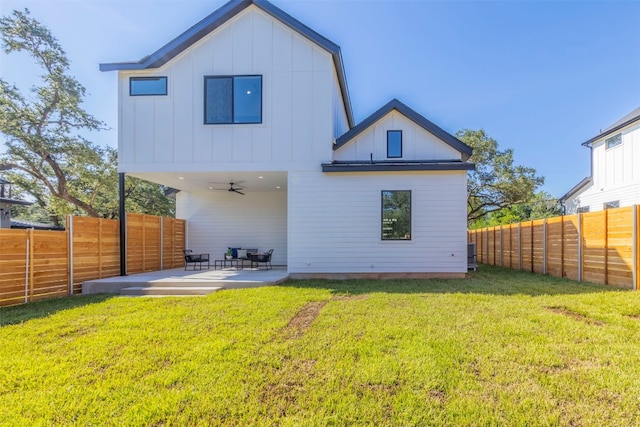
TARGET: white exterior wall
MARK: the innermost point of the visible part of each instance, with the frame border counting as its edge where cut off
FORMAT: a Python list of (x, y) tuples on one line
[(299, 115), (417, 144), (335, 223), (218, 220), (616, 174), (340, 121)]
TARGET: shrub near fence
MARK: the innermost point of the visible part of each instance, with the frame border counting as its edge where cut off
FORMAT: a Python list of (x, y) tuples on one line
[(36, 264), (599, 247)]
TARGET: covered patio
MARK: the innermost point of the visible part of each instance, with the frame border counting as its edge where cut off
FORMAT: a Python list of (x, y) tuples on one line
[(180, 282)]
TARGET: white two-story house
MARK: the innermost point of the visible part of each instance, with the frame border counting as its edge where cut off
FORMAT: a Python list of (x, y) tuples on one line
[(614, 181), (248, 115)]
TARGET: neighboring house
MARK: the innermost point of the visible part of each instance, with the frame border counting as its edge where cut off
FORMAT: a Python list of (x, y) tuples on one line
[(250, 99), (6, 201), (615, 169)]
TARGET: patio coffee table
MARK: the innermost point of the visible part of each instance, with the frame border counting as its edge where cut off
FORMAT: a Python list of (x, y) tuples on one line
[(239, 262)]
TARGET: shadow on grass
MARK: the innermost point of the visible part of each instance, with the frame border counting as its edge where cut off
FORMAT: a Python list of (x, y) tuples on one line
[(35, 310), (488, 280)]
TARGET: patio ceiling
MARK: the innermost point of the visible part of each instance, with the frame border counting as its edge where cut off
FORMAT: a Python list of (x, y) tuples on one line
[(212, 181)]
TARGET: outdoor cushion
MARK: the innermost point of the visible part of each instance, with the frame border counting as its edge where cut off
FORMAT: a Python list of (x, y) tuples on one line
[(234, 252), (241, 253)]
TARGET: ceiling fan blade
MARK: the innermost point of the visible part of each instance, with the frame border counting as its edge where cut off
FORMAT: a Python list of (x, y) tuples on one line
[(235, 190)]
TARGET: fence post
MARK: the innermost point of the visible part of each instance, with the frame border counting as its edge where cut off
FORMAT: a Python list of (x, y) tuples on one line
[(606, 246), (31, 266), (99, 248), (26, 269), (161, 242), (520, 246), (544, 246), (579, 247), (562, 243), (70, 250), (634, 250), (501, 253), (486, 244)]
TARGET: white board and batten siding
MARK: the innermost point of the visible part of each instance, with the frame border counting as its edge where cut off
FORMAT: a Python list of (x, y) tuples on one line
[(347, 237), (301, 112), (616, 174), (219, 220), (417, 143)]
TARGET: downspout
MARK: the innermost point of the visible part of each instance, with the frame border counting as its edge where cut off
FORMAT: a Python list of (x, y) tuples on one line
[(123, 225)]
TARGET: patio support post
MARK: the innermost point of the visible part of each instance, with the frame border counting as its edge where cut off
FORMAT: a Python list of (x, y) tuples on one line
[(123, 226)]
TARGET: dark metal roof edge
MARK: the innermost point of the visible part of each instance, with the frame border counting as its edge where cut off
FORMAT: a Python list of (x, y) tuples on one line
[(15, 202), (396, 167), (610, 131), (318, 39), (216, 20), (414, 116), (576, 187)]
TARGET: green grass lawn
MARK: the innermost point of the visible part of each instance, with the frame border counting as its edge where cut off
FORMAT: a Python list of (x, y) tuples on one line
[(500, 348)]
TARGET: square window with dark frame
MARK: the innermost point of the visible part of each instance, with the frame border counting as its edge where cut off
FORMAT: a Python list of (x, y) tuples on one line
[(232, 99), (394, 144), (611, 205), (147, 86), (396, 215), (583, 209)]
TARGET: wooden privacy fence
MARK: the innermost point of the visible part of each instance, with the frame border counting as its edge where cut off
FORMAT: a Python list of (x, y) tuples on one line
[(599, 247), (37, 264)]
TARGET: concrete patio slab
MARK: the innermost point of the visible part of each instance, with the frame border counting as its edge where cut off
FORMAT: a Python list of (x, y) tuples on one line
[(180, 282)]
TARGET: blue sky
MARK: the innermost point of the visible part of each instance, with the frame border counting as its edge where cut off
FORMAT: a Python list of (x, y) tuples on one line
[(540, 77)]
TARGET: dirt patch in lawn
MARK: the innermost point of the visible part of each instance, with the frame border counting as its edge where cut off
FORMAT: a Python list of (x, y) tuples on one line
[(301, 321), (575, 315)]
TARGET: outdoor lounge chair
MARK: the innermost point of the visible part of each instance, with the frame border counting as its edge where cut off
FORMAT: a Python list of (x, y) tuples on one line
[(261, 258), (191, 258)]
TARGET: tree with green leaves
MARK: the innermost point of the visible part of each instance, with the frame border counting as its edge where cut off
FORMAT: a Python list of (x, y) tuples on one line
[(61, 170), (541, 205), (497, 183)]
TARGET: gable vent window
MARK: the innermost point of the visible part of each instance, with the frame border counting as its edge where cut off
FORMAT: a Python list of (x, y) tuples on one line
[(614, 141), (396, 215), (394, 144), (147, 86), (232, 99)]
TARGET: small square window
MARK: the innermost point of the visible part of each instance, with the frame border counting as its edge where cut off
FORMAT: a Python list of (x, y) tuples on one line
[(583, 209), (394, 144), (396, 215), (611, 205), (614, 141), (147, 86)]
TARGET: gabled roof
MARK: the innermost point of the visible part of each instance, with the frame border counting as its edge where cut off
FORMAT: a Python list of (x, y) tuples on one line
[(421, 121), (630, 118), (579, 186), (220, 17)]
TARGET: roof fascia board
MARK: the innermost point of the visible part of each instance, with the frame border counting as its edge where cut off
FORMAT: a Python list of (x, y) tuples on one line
[(220, 17), (579, 186), (610, 131), (411, 114)]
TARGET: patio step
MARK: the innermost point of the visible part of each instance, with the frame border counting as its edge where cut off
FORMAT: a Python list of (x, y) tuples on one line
[(169, 290)]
